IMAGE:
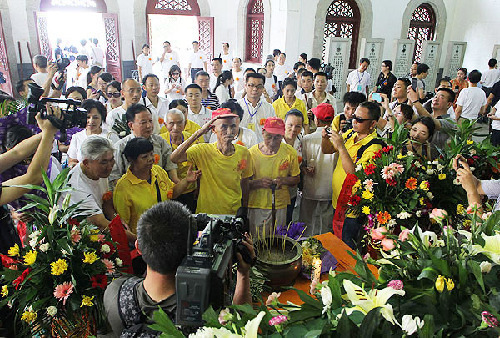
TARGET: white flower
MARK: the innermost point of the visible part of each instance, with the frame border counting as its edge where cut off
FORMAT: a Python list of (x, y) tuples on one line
[(44, 247), (485, 267), (418, 213), (430, 195), (53, 213), (105, 248), (33, 242), (51, 311), (403, 215), (472, 151), (252, 326), (430, 171), (392, 222), (440, 167), (456, 182), (491, 248), (410, 326), (435, 162), (366, 301), (410, 153), (210, 332), (64, 252), (359, 167), (35, 234), (118, 262), (326, 297), (472, 168), (122, 133)]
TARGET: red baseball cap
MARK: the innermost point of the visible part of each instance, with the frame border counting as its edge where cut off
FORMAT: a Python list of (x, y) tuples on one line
[(274, 125), (324, 112), (223, 113)]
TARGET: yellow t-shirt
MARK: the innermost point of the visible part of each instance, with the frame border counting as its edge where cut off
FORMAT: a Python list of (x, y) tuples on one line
[(281, 108), (132, 196), (220, 182), (190, 127), (336, 123), (339, 174), (182, 168), (282, 164)]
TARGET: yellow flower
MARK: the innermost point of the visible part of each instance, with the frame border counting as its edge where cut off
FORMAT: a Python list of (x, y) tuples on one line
[(94, 235), (357, 184), (87, 301), (440, 283), (449, 284), (424, 185), (58, 267), (30, 257), (29, 316), (367, 195), (442, 176), (421, 200), (366, 210), (469, 142), (90, 257), (460, 209), (5, 291), (13, 251), (401, 156)]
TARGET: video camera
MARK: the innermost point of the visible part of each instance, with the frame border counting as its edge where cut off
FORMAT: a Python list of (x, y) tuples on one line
[(71, 114), (205, 276)]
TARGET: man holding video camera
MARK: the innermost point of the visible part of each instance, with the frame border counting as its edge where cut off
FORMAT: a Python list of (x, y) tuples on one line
[(162, 236)]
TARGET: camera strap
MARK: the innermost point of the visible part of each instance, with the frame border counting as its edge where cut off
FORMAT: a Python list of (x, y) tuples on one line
[(158, 193)]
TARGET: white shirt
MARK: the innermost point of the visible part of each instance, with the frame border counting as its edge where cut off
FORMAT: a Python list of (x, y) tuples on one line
[(175, 94), (282, 71), (115, 114), (157, 112), (319, 186), (246, 136), (269, 85), (213, 82), (146, 64), (490, 77), (471, 100), (358, 81), (81, 80), (227, 61), (198, 59), (311, 101), (40, 78), (87, 190), (239, 81), (495, 124), (75, 146), (253, 115), (222, 94), (169, 60), (97, 56), (201, 118)]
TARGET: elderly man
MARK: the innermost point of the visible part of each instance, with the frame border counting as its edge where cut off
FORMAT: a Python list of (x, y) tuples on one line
[(89, 179), (140, 122), (131, 91), (162, 234), (355, 147), (275, 166), (226, 167), (256, 110)]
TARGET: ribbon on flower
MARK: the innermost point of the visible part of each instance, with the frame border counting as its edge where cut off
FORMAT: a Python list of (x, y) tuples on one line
[(343, 200)]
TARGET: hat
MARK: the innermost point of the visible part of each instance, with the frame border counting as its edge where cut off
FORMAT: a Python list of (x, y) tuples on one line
[(223, 113), (324, 112), (274, 125)]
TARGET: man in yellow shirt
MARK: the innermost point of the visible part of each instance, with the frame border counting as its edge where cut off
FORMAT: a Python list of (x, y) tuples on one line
[(289, 101), (274, 163), (343, 121), (355, 147), (225, 167)]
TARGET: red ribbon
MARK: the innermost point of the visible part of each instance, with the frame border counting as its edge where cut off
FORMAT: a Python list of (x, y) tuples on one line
[(343, 200)]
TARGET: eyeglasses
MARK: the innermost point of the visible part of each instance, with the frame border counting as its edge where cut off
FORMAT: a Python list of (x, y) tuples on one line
[(359, 119), (115, 95)]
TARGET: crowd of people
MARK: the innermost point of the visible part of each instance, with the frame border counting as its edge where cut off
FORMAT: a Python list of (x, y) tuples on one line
[(266, 143)]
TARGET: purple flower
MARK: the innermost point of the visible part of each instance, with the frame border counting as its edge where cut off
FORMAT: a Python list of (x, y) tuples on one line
[(294, 230), (278, 320), (489, 319), (396, 284)]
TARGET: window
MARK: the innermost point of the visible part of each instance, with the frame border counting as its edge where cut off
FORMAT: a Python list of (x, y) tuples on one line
[(98, 6), (255, 31), (343, 21), (173, 7), (422, 27)]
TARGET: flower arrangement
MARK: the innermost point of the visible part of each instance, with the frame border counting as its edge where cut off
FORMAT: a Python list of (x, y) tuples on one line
[(56, 282)]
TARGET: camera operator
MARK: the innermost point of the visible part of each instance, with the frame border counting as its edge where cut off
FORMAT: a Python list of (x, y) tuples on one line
[(162, 234), (475, 187)]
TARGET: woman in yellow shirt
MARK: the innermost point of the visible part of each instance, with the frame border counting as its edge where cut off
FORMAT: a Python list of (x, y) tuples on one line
[(289, 101), (145, 183)]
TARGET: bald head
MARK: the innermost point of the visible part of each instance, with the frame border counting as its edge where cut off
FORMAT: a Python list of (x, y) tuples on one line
[(131, 91)]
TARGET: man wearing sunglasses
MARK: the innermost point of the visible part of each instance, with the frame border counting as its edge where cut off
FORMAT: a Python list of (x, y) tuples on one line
[(354, 148)]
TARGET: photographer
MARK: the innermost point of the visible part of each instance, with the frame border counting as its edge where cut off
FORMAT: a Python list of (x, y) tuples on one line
[(343, 121), (162, 234), (44, 75)]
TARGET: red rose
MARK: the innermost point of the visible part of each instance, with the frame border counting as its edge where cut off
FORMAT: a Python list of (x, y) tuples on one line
[(16, 282), (100, 281)]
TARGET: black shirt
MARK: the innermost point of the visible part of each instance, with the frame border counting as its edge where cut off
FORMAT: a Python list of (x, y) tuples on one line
[(385, 84)]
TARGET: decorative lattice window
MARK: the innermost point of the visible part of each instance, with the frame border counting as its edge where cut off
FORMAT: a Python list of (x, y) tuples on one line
[(255, 31), (173, 7), (422, 27), (343, 21), (86, 5)]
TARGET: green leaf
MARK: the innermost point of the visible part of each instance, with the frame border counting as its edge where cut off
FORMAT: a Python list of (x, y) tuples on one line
[(305, 312), (344, 326), (211, 318), (48, 186), (427, 330), (370, 323), (164, 324), (428, 273), (309, 300), (476, 271), (334, 285), (246, 308)]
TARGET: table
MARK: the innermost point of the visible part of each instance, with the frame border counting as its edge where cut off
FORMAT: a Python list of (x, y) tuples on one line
[(344, 263)]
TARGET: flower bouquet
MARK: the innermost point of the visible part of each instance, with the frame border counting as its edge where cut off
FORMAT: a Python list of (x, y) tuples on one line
[(55, 283), (312, 249)]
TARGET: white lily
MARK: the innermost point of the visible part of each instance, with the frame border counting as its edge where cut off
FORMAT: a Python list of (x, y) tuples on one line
[(364, 302), (252, 326), (326, 297), (53, 214), (491, 248), (410, 325), (210, 332)]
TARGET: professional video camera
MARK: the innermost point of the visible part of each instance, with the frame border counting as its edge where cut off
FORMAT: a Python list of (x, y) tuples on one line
[(71, 114), (205, 276), (328, 70)]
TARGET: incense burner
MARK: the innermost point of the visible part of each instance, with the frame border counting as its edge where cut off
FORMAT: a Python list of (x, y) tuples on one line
[(279, 259)]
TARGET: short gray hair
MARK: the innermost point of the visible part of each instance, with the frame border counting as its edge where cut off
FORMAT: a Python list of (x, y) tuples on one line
[(95, 146), (175, 111)]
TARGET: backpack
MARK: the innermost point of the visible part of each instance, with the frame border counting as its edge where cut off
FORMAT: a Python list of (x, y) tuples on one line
[(362, 149), (133, 319)]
